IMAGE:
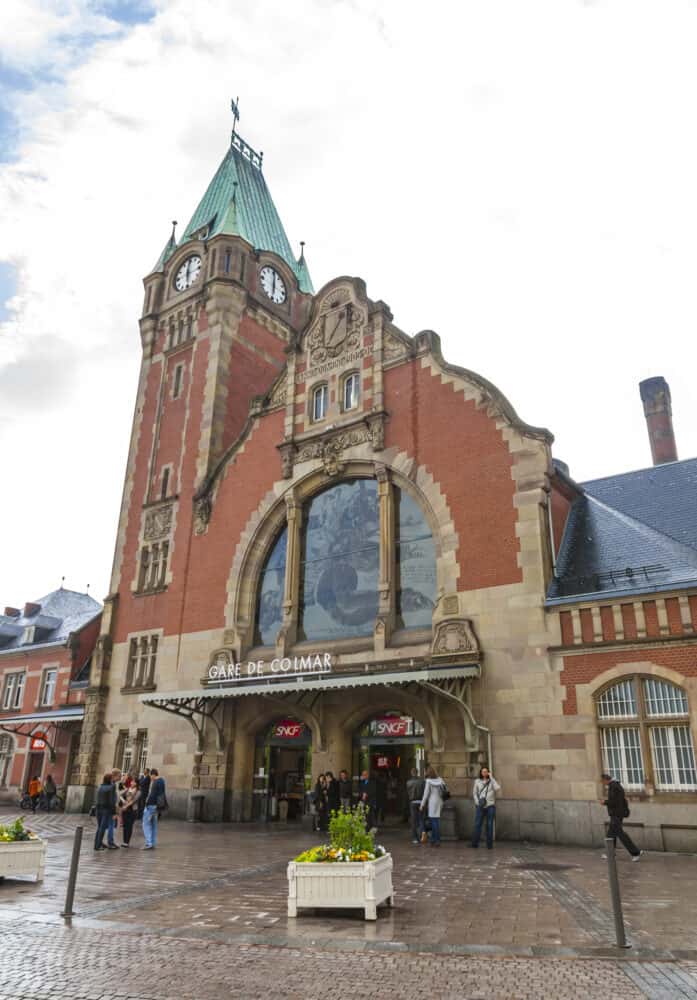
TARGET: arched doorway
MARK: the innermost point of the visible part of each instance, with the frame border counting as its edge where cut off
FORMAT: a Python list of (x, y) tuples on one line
[(282, 770), (388, 746)]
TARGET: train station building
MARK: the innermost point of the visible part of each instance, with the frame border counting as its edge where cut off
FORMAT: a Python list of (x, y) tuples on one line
[(337, 549)]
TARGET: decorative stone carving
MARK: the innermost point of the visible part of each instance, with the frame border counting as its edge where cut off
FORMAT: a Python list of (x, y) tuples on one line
[(330, 450), (393, 348), (202, 513), (453, 638), (376, 426), (335, 333), (158, 522), (278, 393), (287, 451), (451, 605)]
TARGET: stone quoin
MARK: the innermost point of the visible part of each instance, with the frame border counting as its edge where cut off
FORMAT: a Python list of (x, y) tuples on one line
[(336, 549)]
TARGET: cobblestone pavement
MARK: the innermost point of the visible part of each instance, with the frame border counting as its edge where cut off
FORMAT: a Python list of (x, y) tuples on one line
[(520, 921)]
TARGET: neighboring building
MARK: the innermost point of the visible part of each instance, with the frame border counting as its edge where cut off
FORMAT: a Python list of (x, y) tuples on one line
[(336, 549), (45, 653)]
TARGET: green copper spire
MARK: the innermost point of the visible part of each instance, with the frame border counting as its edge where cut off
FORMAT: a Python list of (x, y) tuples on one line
[(168, 249), (238, 202), (302, 272)]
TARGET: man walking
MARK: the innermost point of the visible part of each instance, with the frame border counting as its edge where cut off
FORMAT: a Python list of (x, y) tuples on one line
[(156, 800), (618, 810), (114, 819), (415, 792), (345, 791)]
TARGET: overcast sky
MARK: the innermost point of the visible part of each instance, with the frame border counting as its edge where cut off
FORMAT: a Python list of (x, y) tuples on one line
[(518, 176)]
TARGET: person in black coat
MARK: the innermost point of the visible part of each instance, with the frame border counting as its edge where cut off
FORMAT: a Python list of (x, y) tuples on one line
[(105, 809), (618, 810), (333, 796), (144, 785), (322, 803)]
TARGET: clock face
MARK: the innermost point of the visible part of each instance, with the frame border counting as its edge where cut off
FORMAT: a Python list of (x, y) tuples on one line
[(273, 284), (188, 273)]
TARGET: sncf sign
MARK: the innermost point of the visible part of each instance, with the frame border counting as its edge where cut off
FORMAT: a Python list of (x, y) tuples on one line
[(288, 729), (392, 726)]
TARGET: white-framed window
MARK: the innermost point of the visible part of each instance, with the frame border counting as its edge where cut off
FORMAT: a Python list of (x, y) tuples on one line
[(48, 687), (126, 756), (634, 748), (142, 747), (351, 391), (7, 749), (14, 690), (153, 566), (320, 401)]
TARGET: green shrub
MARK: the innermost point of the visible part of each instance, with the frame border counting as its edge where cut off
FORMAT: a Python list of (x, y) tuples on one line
[(347, 831)]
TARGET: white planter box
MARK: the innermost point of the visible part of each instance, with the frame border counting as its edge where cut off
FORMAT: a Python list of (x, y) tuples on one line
[(25, 857), (342, 885)]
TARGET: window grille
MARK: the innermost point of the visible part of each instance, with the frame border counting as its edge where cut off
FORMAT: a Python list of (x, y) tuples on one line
[(663, 699), (673, 758), (618, 702), (622, 758)]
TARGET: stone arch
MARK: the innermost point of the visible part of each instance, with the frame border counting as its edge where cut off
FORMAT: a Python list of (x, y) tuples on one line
[(586, 694), (388, 700), (268, 708), (266, 522)]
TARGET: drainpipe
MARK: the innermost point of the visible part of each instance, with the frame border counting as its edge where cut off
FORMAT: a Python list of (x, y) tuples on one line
[(482, 729)]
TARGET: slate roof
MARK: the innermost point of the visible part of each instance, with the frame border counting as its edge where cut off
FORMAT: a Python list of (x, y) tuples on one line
[(238, 201), (58, 614), (631, 533)]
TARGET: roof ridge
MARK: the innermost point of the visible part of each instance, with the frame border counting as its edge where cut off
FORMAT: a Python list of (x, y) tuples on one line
[(633, 472)]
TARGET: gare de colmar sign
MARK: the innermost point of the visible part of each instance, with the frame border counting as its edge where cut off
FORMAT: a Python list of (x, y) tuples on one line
[(225, 668)]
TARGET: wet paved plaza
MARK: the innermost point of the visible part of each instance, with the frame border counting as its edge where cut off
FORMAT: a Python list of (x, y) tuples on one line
[(205, 916)]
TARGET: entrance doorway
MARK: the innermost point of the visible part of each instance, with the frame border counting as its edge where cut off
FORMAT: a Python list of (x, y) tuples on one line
[(388, 747), (35, 766), (282, 771)]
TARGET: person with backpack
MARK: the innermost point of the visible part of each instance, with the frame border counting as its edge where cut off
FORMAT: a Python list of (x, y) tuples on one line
[(435, 793), (484, 793), (618, 811)]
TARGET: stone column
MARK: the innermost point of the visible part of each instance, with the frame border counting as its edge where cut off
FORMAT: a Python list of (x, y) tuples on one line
[(289, 631), (384, 623)]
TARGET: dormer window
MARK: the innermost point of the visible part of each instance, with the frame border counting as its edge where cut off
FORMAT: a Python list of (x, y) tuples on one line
[(352, 386), (320, 400)]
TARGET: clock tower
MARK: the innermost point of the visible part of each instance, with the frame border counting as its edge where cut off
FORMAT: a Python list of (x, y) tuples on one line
[(222, 305)]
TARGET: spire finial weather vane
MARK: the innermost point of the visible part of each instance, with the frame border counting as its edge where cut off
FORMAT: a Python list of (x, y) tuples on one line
[(235, 108)]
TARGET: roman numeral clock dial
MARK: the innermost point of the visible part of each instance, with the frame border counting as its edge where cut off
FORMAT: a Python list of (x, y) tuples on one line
[(273, 285)]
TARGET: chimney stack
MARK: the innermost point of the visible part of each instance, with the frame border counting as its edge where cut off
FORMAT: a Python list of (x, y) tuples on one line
[(655, 395)]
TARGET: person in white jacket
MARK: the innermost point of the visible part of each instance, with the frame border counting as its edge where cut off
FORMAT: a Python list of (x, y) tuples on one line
[(432, 802), (484, 793)]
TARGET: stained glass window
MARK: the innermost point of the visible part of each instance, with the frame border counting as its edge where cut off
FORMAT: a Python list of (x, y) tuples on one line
[(340, 562), (270, 596), (415, 564)]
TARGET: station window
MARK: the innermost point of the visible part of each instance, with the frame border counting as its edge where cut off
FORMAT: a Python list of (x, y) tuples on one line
[(177, 383), (142, 661), (153, 567), (351, 391), (48, 687), (645, 735), (320, 402), (14, 689)]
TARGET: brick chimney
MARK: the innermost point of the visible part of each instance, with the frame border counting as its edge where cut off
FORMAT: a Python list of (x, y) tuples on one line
[(655, 395)]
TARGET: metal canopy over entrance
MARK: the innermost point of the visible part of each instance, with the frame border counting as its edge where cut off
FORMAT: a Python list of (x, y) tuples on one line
[(42, 722), (449, 682)]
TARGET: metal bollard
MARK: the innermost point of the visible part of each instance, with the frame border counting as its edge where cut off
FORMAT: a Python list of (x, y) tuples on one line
[(615, 894), (67, 910)]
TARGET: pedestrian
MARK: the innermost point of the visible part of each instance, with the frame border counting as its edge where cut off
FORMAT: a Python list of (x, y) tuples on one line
[(113, 823), (35, 791), (618, 811), (366, 797), (156, 802), (333, 796), (49, 791), (345, 791), (322, 803), (432, 802), (128, 806), (105, 809), (415, 793), (484, 795), (144, 785)]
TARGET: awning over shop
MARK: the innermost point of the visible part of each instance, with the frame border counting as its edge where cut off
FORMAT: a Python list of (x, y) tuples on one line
[(34, 723), (59, 715), (196, 706)]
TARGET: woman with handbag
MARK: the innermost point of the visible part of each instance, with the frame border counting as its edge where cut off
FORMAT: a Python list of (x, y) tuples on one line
[(435, 792), (484, 793), (128, 806)]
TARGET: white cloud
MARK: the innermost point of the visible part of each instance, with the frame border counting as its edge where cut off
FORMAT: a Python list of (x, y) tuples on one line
[(518, 177)]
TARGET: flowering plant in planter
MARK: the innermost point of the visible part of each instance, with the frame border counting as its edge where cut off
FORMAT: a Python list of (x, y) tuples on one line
[(349, 840), (14, 832)]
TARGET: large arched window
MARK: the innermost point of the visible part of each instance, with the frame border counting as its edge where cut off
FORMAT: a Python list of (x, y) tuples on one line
[(362, 549), (340, 562), (645, 735), (270, 593)]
